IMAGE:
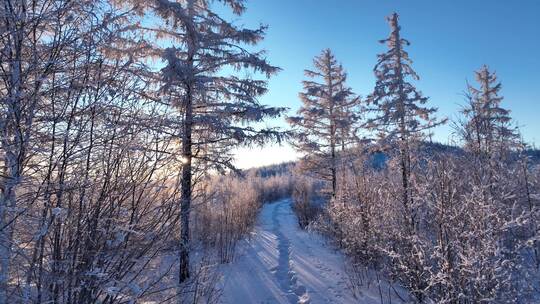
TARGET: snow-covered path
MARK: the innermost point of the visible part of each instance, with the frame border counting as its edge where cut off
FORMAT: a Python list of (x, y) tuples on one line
[(283, 264)]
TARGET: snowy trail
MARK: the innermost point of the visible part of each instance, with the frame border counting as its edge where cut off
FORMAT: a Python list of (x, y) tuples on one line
[(284, 264)]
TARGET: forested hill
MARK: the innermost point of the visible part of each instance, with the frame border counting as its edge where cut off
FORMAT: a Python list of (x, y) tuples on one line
[(377, 157)]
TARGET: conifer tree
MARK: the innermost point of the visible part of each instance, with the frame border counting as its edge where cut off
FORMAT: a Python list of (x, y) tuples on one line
[(488, 127), (326, 119), (216, 107), (400, 114)]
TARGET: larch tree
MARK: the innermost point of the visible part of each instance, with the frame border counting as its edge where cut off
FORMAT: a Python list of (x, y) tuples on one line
[(203, 55), (400, 113), (488, 128), (402, 119), (326, 119)]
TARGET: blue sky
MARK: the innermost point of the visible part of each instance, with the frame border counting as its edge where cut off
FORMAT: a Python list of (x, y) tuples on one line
[(450, 40)]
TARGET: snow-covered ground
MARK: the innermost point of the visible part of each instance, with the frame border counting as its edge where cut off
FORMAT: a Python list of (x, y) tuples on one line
[(283, 264)]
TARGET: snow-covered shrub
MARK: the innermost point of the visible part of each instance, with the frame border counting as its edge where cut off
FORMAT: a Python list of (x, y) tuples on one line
[(473, 240), (306, 203), (203, 285), (227, 208), (271, 187), (226, 214)]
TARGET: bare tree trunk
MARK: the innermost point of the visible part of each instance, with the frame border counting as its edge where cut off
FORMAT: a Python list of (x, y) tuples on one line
[(330, 85), (334, 177), (404, 140), (186, 190), (187, 154)]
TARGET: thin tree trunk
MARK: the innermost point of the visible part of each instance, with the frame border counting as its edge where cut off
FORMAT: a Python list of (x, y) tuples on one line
[(186, 190), (187, 154), (404, 144)]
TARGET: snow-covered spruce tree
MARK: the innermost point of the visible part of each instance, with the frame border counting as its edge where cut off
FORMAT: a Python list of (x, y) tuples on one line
[(327, 118), (400, 115), (401, 118), (216, 106), (488, 130)]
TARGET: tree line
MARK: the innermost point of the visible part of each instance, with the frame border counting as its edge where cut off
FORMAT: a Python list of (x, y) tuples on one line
[(452, 225)]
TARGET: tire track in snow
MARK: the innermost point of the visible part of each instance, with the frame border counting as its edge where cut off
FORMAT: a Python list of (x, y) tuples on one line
[(295, 292)]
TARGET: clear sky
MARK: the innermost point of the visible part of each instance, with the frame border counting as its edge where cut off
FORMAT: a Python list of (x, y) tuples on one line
[(450, 40)]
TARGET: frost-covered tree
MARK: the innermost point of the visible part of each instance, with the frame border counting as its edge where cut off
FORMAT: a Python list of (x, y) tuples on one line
[(203, 54), (488, 129), (402, 119), (76, 138), (401, 116), (326, 121), (32, 37)]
